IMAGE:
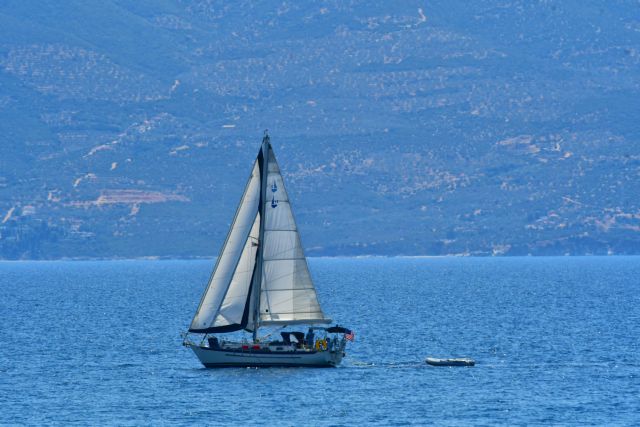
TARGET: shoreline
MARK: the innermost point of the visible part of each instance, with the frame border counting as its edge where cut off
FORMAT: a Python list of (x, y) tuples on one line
[(329, 257)]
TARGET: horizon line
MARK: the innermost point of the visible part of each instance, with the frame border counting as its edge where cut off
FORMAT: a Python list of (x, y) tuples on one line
[(205, 258)]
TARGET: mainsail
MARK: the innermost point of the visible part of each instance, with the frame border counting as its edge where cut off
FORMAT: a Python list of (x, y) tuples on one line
[(263, 241), (287, 292)]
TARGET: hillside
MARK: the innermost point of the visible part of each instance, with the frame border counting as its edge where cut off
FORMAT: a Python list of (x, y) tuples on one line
[(128, 129)]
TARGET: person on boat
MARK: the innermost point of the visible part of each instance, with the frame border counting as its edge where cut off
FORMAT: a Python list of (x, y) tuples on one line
[(286, 338), (293, 338), (309, 339), (213, 343)]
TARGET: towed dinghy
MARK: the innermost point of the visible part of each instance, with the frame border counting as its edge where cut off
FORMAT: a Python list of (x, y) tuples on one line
[(463, 361)]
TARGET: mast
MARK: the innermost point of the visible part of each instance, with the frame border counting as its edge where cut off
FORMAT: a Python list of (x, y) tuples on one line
[(263, 197)]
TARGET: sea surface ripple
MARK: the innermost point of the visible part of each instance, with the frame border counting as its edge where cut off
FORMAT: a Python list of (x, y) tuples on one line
[(555, 340)]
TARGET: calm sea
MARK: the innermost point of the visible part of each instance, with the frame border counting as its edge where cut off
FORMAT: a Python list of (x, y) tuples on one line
[(556, 341)]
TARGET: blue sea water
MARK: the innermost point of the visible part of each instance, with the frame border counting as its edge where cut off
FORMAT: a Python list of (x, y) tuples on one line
[(555, 340)]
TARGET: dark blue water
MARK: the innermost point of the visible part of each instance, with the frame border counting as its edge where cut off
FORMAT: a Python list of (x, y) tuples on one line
[(555, 340)]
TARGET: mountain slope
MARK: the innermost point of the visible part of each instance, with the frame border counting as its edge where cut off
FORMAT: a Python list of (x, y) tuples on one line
[(417, 128)]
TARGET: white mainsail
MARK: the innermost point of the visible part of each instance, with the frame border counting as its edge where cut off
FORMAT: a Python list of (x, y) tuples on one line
[(287, 292), (235, 298)]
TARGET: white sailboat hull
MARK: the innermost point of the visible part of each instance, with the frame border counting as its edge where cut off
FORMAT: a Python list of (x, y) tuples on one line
[(222, 358)]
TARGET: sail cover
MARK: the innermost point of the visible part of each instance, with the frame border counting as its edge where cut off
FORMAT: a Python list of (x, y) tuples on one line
[(287, 292), (224, 305)]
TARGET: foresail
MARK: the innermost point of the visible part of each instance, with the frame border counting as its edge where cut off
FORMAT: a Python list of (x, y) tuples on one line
[(234, 310), (224, 304), (287, 292)]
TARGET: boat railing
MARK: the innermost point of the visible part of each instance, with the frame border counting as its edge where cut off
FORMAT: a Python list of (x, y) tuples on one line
[(186, 341)]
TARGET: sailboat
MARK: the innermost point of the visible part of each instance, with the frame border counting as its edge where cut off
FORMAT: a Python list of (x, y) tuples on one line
[(261, 281)]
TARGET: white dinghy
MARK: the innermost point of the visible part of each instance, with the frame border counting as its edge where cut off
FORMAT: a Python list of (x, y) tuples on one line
[(462, 361), (261, 280)]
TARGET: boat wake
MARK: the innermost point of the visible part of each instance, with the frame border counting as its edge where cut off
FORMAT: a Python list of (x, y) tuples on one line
[(387, 365)]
